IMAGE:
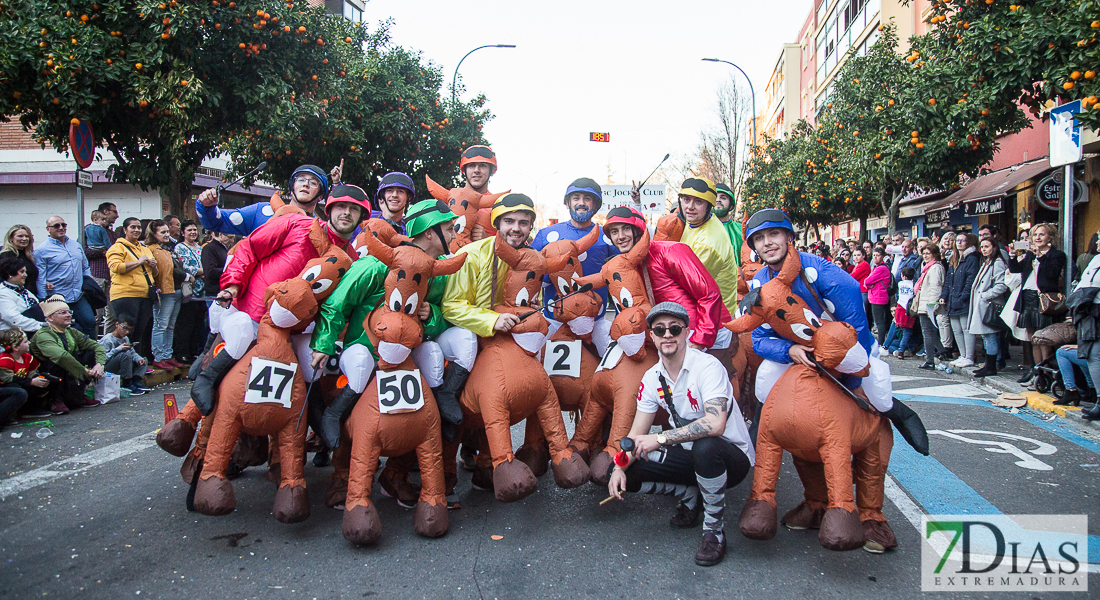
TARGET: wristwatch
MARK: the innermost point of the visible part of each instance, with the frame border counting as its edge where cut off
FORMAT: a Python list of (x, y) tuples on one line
[(662, 439)]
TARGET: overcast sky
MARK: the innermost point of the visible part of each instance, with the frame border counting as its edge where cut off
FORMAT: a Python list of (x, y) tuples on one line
[(632, 69)]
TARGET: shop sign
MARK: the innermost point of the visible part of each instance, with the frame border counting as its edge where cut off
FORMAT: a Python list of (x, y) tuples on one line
[(1049, 191), (936, 217), (989, 206)]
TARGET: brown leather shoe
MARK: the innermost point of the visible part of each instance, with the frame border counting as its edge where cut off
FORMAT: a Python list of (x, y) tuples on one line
[(685, 517), (711, 550)]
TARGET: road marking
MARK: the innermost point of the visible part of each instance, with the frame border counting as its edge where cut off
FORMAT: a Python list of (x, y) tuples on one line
[(1027, 461), (958, 390), (81, 462)]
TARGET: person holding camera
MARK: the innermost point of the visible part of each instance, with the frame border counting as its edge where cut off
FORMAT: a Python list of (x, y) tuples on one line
[(708, 449), (133, 278)]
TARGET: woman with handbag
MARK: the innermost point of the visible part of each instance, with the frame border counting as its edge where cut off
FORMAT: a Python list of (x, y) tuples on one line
[(988, 297), (1041, 302), (926, 296), (191, 327), (167, 309), (964, 268), (133, 272)]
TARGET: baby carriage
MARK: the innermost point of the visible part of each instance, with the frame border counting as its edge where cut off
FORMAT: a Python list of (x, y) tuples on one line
[(1047, 376)]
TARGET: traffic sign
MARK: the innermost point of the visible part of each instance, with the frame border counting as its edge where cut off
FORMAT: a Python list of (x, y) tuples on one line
[(1065, 134), (82, 141), (84, 179)]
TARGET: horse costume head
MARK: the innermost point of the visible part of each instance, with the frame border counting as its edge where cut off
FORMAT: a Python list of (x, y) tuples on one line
[(775, 306), (393, 326), (292, 304), (521, 286), (580, 310), (376, 228), (622, 276), (467, 204)]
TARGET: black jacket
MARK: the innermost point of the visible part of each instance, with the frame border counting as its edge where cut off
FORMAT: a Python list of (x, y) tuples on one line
[(958, 282), (1052, 267), (213, 263)]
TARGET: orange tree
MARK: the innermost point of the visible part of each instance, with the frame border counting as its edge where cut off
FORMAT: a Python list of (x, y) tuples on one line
[(920, 120), (804, 175), (168, 83), (1034, 50)]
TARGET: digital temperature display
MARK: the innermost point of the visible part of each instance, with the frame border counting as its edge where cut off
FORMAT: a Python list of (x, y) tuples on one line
[(597, 136)]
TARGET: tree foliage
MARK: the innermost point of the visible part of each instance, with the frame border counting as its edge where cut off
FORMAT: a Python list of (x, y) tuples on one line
[(1036, 51), (167, 84)]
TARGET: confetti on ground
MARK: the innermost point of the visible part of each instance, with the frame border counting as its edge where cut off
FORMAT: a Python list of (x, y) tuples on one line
[(496, 537)]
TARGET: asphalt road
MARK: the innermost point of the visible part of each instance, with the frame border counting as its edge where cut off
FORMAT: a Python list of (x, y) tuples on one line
[(109, 521)]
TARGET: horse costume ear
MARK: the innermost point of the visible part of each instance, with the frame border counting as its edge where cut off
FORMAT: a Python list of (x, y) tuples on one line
[(437, 191), (792, 266), (319, 238), (582, 245), (746, 248), (640, 251), (487, 200), (508, 254), (380, 250), (557, 263), (448, 266), (747, 322), (596, 279), (276, 202), (385, 232), (669, 228)]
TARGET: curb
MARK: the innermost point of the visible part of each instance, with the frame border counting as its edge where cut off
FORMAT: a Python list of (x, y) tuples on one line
[(1036, 401), (1046, 404), (159, 376)]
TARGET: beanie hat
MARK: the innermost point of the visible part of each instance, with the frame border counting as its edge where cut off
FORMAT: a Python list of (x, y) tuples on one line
[(53, 304)]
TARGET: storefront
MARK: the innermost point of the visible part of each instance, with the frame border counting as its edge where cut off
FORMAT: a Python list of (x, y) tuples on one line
[(1000, 198)]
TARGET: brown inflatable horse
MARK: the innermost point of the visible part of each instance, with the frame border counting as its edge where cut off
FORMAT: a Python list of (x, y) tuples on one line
[(264, 393), (397, 414), (566, 348), (615, 384), (819, 424), (508, 384)]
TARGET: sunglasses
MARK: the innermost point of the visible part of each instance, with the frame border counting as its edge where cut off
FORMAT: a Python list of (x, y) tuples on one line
[(675, 330), (59, 225), (478, 153)]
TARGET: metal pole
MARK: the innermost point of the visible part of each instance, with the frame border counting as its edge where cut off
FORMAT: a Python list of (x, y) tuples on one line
[(454, 79), (80, 214), (751, 92), (1067, 225)]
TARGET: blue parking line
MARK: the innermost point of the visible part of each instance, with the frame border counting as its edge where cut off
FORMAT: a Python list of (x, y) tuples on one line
[(940, 492)]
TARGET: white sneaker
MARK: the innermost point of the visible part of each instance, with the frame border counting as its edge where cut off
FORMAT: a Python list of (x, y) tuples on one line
[(961, 362)]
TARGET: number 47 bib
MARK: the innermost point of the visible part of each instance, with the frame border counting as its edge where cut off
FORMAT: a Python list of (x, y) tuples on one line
[(270, 382), (399, 391)]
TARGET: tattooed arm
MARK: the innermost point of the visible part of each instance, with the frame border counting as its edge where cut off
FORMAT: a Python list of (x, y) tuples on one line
[(712, 423)]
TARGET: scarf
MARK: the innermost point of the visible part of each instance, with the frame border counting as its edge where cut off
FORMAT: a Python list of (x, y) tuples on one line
[(923, 272), (27, 297)]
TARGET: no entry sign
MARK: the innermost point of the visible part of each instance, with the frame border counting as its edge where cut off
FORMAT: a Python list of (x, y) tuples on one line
[(82, 141)]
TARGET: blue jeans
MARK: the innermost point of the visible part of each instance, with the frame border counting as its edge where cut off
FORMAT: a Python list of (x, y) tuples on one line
[(84, 317), (1067, 357), (164, 324), (992, 342), (899, 338)]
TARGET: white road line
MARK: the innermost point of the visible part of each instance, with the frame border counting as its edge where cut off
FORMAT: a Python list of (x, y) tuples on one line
[(75, 464)]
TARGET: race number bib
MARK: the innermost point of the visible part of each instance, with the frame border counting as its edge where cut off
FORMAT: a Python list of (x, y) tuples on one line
[(399, 391), (562, 359), (270, 381), (610, 358), (332, 365)]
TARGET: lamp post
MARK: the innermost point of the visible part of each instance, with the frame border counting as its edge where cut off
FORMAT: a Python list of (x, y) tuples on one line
[(751, 91), (454, 80)]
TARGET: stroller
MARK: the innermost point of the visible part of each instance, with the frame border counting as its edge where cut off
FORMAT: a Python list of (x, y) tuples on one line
[(1048, 378)]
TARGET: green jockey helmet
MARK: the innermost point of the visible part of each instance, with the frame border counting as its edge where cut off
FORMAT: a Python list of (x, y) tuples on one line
[(427, 214)]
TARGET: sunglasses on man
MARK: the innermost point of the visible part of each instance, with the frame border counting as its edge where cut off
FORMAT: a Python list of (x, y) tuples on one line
[(660, 330), (59, 226), (476, 152)]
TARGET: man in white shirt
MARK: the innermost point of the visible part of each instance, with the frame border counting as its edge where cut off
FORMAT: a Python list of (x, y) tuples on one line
[(708, 449)]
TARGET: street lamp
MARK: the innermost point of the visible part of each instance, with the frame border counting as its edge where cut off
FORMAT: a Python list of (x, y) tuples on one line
[(750, 91), (454, 80)]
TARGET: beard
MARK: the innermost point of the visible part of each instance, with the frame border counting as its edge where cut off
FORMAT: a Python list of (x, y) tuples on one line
[(581, 214)]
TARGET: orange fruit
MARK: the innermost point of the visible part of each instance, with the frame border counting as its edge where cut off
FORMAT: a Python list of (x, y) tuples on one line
[(915, 133), (137, 66), (1075, 75), (74, 121), (1090, 74), (1067, 85), (183, 82), (931, 102)]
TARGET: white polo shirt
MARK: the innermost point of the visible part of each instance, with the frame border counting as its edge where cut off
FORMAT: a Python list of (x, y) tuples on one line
[(702, 377)]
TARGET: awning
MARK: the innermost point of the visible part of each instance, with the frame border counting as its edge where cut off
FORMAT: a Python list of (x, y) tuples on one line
[(915, 206), (994, 185)]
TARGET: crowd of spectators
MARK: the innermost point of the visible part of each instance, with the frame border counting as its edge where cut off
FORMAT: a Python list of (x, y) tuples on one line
[(122, 301)]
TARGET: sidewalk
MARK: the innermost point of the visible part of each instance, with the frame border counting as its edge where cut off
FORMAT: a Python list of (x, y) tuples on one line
[(1005, 381)]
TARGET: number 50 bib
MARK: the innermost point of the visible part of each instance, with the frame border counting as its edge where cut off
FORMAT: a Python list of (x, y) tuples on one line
[(399, 391)]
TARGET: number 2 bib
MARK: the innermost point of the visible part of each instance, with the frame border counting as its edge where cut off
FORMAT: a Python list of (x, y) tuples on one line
[(562, 358)]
